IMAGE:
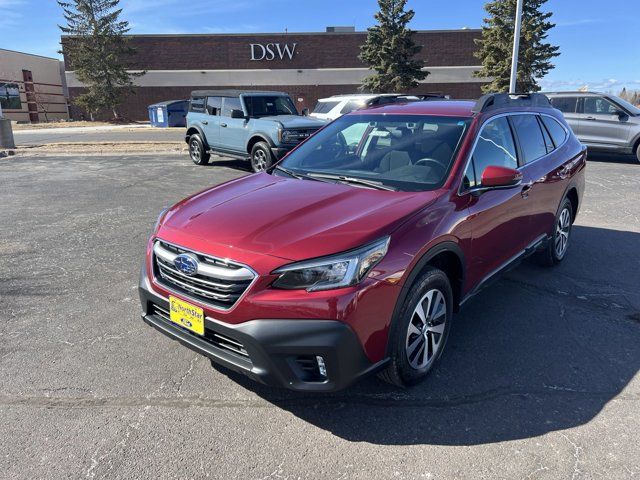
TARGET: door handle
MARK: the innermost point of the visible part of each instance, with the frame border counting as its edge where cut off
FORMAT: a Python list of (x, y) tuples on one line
[(204, 122), (223, 124), (526, 188), (590, 118)]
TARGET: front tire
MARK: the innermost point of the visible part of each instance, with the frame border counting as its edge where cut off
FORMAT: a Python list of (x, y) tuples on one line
[(638, 152), (556, 248), (197, 151), (261, 158), (419, 333)]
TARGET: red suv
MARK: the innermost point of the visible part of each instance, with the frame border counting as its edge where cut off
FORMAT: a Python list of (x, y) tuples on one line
[(352, 253)]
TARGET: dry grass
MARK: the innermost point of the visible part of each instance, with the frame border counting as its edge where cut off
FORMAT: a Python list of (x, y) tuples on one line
[(105, 148), (43, 125)]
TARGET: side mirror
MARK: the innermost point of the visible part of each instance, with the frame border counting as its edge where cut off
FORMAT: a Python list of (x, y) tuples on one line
[(237, 114), (305, 112), (621, 114), (495, 176)]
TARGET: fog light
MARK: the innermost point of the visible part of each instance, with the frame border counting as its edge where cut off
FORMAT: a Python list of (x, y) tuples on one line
[(322, 368)]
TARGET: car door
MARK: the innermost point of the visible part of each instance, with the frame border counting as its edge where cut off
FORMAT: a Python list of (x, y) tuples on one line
[(541, 189), (497, 217), (569, 107), (211, 121), (233, 131), (601, 125)]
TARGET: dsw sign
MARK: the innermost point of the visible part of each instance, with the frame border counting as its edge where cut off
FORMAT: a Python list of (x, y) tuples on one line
[(272, 51)]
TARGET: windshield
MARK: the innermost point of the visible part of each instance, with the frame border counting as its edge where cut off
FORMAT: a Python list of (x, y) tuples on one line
[(633, 110), (405, 152), (267, 105)]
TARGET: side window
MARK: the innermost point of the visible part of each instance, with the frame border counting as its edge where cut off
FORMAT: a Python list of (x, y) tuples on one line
[(598, 106), (196, 104), (565, 104), (547, 138), (230, 103), (530, 136), (214, 104), (495, 146), (557, 131)]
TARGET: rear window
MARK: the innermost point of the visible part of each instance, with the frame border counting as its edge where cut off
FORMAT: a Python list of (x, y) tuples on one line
[(351, 106), (557, 131), (565, 104), (324, 107), (530, 137), (196, 104)]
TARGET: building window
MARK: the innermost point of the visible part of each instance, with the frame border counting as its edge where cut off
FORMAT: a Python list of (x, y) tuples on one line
[(10, 96)]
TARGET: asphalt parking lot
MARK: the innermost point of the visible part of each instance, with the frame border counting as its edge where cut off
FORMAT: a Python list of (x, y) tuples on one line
[(540, 379)]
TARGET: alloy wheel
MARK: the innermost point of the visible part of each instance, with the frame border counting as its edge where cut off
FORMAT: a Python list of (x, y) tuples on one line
[(259, 160), (563, 227), (425, 333), (196, 152)]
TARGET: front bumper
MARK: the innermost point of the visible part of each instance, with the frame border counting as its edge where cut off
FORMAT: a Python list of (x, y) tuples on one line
[(279, 152), (274, 352)]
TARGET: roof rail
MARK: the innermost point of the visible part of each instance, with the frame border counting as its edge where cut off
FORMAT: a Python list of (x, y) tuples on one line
[(498, 100)]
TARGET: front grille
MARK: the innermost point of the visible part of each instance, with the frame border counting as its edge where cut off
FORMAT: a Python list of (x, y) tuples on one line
[(216, 339), (297, 135), (217, 282)]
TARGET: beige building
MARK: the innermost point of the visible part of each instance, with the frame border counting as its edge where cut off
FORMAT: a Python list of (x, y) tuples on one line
[(32, 87)]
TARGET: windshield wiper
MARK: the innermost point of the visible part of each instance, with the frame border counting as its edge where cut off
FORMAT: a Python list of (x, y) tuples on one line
[(353, 180), (293, 174)]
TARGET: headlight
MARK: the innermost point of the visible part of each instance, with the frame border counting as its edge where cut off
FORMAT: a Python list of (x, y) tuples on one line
[(335, 271), (288, 136)]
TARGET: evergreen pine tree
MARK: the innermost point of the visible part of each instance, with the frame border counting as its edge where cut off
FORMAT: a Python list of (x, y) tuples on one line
[(390, 51), (97, 50), (496, 45)]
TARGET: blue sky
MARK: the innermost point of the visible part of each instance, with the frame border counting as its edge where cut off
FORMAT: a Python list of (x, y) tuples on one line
[(599, 41)]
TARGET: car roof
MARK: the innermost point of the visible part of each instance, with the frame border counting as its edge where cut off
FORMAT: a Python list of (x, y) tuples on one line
[(574, 93), (453, 108), (233, 93)]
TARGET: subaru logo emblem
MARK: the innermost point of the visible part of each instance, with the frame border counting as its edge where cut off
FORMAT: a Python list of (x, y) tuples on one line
[(186, 263)]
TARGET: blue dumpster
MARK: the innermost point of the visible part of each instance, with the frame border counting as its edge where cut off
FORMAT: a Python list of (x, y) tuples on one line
[(171, 113)]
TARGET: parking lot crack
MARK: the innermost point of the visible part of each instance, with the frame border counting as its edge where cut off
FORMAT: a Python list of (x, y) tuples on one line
[(577, 451), (185, 375)]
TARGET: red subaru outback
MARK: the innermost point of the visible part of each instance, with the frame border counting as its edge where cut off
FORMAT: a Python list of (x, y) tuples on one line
[(352, 254)]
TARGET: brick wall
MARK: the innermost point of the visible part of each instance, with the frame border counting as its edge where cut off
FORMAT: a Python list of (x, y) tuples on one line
[(319, 50), (135, 107)]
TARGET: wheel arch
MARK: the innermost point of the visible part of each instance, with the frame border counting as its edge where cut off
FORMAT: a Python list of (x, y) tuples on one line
[(572, 195), (193, 129), (446, 256), (258, 137), (636, 144)]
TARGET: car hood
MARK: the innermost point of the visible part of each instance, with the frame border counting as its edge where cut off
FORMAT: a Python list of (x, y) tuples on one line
[(289, 218), (295, 121)]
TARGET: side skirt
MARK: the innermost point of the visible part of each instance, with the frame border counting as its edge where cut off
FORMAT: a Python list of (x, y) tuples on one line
[(507, 266)]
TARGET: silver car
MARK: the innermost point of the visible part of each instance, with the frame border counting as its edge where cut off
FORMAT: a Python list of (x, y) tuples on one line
[(601, 121)]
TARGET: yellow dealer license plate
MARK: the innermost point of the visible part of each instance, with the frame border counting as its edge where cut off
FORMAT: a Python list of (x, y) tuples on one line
[(186, 315)]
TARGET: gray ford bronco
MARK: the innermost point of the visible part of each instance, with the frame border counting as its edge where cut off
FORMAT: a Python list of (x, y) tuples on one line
[(260, 126)]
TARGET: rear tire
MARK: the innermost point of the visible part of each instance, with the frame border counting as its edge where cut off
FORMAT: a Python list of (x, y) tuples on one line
[(261, 158), (556, 248), (419, 333), (197, 151), (638, 152)]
